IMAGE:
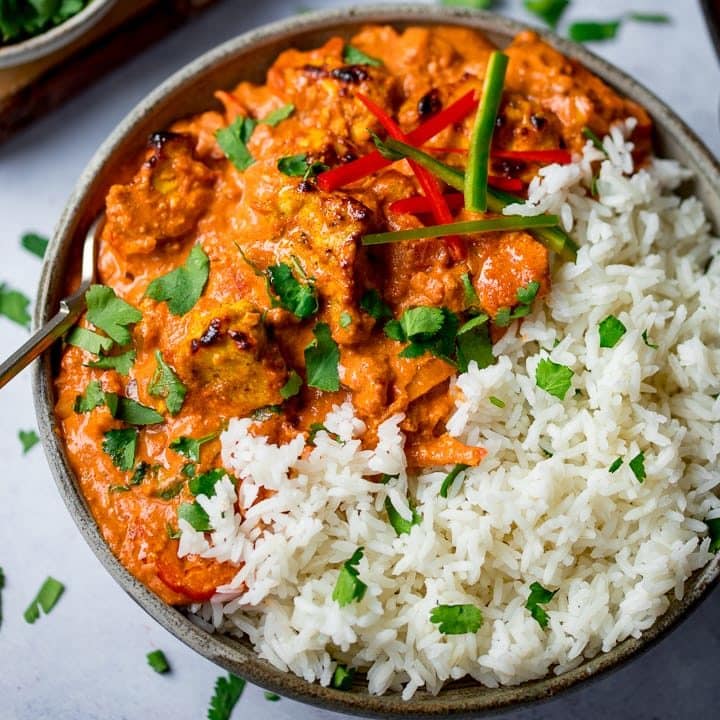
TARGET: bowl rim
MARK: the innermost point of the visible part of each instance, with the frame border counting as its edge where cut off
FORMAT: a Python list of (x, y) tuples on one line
[(229, 652), (44, 43)]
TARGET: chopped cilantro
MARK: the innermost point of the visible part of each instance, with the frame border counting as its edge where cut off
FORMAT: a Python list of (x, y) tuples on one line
[(28, 439), (138, 476), (190, 447), (594, 139), (594, 31), (345, 319), (473, 323), (14, 305), (496, 401), (182, 287), (342, 677), (539, 596), (271, 697), (157, 661), (714, 533), (399, 523), (94, 396), (205, 484), (428, 329), (300, 166), (637, 465), (120, 363), (195, 515), (47, 598), (474, 343), (265, 412), (133, 413), (526, 295), (120, 445), (227, 692), (457, 619), (354, 56), (450, 478), (317, 427), (189, 469), (88, 340), (348, 587), (549, 11), (171, 491), (611, 330), (34, 243), (233, 142), (321, 360), (471, 297), (166, 384), (172, 533), (616, 464), (502, 317), (275, 117), (20, 20), (299, 298), (421, 321), (292, 386), (108, 312), (553, 378), (659, 18), (647, 342), (373, 305)]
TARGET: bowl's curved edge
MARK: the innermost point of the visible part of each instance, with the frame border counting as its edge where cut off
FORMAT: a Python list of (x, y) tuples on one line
[(229, 653)]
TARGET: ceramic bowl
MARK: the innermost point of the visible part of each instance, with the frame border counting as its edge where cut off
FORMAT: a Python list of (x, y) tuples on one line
[(189, 91), (39, 46)]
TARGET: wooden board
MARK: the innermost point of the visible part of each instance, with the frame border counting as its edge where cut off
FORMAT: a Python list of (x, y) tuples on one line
[(30, 91)]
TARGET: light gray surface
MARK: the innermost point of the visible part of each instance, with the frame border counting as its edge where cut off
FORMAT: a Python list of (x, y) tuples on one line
[(87, 659)]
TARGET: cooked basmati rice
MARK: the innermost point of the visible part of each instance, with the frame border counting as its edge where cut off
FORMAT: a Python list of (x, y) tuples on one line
[(542, 507)]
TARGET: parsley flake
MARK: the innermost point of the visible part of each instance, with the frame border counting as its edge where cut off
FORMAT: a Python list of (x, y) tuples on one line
[(182, 287), (14, 305), (195, 515), (111, 314), (342, 677), (233, 142), (47, 598), (457, 619), (34, 243), (450, 478), (299, 298), (88, 340), (539, 596), (120, 445), (354, 56), (158, 662), (167, 385), (120, 363), (348, 587), (399, 524), (321, 360), (616, 465), (227, 692), (275, 117), (190, 447), (28, 439), (549, 11), (610, 330), (373, 305), (553, 378), (637, 465), (292, 386)]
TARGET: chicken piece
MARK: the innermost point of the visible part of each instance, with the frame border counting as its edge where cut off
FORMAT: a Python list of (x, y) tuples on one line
[(164, 200), (227, 359)]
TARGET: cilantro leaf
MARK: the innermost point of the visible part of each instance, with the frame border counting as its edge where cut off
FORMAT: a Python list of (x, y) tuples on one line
[(94, 396), (271, 697), (28, 439), (299, 298), (137, 477), (227, 692), (421, 321), (502, 317), (594, 31), (354, 56), (189, 469), (195, 514), (166, 384), (394, 330), (348, 587), (373, 305), (471, 297), (105, 310), (549, 11), (714, 534), (47, 597), (450, 478), (315, 428), (457, 619), (342, 677), (157, 661), (539, 596), (321, 360), (172, 533), (233, 142), (88, 340), (171, 491), (637, 465), (474, 343), (292, 386), (120, 445), (647, 342), (526, 295), (205, 484), (616, 464), (14, 305), (133, 413), (610, 330), (300, 166), (399, 523), (120, 363), (264, 413), (34, 243), (345, 319), (190, 447), (553, 378), (428, 329), (497, 402), (659, 18), (275, 117), (182, 287)]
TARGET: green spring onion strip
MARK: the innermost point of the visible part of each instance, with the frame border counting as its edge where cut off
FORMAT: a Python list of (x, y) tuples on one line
[(509, 222), (476, 177), (554, 238)]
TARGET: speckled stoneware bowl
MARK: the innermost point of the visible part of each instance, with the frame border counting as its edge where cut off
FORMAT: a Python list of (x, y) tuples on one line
[(38, 46), (189, 91)]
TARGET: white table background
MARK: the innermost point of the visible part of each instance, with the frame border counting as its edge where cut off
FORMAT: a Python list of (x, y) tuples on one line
[(87, 659)]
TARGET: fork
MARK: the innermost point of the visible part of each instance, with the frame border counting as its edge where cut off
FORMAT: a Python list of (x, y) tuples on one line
[(71, 308)]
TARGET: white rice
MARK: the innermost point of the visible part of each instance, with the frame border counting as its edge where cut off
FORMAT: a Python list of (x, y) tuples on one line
[(614, 549)]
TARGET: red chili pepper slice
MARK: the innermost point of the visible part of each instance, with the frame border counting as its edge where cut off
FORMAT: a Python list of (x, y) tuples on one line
[(356, 170)]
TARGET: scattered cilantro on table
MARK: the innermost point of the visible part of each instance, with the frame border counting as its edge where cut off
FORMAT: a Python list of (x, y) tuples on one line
[(34, 243), (47, 598), (28, 439), (549, 11), (227, 692), (158, 662), (14, 305)]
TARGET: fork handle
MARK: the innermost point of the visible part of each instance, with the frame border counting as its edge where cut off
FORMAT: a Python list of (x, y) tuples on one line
[(70, 310)]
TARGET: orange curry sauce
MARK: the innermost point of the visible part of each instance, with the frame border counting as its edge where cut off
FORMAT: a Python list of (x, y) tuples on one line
[(184, 191)]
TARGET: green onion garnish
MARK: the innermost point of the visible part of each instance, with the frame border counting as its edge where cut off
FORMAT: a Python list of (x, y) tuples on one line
[(476, 177)]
